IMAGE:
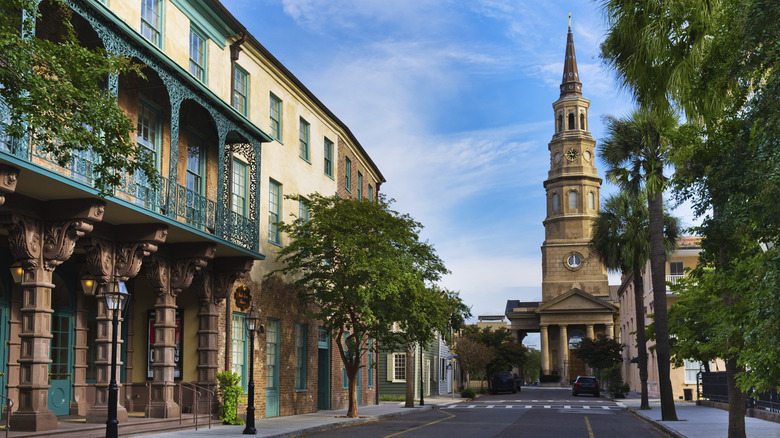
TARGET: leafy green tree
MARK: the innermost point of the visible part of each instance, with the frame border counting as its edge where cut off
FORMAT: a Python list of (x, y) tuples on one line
[(53, 92), (363, 267), (621, 239), (508, 353), (473, 356), (637, 149), (600, 354), (533, 364)]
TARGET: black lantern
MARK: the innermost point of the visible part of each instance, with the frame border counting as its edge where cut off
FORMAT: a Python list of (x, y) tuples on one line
[(253, 325), (116, 299), (17, 272), (89, 285)]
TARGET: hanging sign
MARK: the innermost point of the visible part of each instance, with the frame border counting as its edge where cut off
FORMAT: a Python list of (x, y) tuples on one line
[(242, 297)]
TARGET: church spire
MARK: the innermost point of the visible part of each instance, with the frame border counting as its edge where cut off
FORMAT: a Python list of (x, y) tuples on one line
[(570, 85)]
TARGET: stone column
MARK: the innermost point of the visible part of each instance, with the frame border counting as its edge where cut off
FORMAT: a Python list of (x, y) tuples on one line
[(589, 331), (545, 348), (109, 262), (564, 338), (169, 276), (610, 331), (41, 246)]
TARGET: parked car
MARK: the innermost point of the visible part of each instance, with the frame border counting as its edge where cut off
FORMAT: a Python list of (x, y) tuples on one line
[(503, 381), (518, 382), (586, 385)]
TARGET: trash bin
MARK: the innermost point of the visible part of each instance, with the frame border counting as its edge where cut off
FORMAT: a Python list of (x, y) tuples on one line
[(688, 394)]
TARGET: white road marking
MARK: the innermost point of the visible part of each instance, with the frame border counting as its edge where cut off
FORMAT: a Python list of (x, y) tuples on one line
[(605, 407), (509, 406), (566, 407), (472, 406), (586, 407), (490, 406), (547, 406), (528, 406)]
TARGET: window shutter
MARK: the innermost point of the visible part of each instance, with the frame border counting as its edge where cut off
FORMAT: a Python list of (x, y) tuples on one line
[(390, 367)]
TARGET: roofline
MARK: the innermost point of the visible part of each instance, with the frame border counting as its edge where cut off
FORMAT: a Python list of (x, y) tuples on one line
[(299, 84)]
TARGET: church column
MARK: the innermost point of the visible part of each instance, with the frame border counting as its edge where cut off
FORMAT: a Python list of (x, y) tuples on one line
[(545, 349), (610, 331), (564, 354), (589, 331)]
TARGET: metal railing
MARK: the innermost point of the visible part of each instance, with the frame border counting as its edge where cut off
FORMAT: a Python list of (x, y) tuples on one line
[(8, 405), (673, 279), (195, 389), (715, 387)]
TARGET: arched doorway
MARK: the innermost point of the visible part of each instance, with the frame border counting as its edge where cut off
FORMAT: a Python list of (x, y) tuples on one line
[(61, 351)]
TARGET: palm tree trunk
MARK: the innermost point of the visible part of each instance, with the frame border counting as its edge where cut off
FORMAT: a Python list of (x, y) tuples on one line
[(641, 340), (658, 274)]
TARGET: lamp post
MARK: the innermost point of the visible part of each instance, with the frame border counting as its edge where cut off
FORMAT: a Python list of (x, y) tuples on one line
[(116, 299), (252, 325), (422, 378)]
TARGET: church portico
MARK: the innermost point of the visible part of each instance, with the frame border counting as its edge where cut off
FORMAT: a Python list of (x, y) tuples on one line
[(576, 303)]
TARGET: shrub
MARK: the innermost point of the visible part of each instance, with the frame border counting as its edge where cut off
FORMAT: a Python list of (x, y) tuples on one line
[(468, 393), (230, 391), (615, 386), (392, 398)]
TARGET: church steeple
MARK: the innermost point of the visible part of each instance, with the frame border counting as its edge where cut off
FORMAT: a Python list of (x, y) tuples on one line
[(570, 85)]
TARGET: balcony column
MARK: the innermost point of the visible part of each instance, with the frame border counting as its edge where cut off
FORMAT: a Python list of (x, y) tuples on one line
[(545, 348), (169, 275), (176, 100), (107, 260), (41, 246)]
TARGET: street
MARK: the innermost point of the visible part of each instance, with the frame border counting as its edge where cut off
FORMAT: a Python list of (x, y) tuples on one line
[(534, 412)]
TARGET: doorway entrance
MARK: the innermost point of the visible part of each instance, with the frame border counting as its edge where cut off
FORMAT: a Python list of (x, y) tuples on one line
[(61, 350)]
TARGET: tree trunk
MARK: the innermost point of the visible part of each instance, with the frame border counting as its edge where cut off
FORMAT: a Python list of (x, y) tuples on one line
[(737, 400), (658, 275), (409, 376), (352, 410), (641, 340)]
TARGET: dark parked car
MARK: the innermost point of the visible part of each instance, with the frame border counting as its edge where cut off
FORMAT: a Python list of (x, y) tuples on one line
[(518, 382), (585, 385), (503, 381)]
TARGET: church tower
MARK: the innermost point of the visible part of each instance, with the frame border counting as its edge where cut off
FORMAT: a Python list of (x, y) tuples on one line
[(572, 188)]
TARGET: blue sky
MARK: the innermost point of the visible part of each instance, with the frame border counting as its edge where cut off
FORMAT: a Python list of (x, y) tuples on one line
[(453, 101)]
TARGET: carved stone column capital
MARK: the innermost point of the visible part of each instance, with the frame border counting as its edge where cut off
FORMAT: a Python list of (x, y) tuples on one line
[(8, 177), (228, 270), (24, 240)]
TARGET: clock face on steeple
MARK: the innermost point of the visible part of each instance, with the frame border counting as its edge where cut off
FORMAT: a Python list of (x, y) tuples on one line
[(572, 154)]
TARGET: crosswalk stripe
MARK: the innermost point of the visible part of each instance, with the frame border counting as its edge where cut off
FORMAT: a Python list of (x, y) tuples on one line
[(528, 406), (472, 406), (586, 407), (490, 406), (509, 406), (605, 407), (547, 406), (567, 407)]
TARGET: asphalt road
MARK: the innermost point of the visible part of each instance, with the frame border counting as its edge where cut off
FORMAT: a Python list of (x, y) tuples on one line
[(530, 413)]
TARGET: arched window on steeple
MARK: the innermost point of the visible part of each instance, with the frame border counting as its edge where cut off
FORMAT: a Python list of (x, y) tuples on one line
[(572, 200), (571, 121), (592, 201), (555, 202), (560, 123), (582, 122)]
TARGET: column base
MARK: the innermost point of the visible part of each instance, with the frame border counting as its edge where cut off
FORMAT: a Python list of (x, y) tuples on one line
[(99, 414), (33, 421), (162, 409)]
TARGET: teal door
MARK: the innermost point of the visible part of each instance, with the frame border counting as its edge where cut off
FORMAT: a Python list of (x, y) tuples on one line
[(357, 385), (61, 350), (272, 368), (323, 371)]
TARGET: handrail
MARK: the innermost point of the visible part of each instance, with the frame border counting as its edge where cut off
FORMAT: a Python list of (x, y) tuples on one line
[(196, 399), (8, 407)]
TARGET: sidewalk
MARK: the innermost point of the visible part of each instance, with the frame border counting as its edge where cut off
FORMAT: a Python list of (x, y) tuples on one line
[(699, 421), (308, 423)]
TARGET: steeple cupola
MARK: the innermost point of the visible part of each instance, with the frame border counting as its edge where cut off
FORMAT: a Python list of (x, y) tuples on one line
[(570, 84)]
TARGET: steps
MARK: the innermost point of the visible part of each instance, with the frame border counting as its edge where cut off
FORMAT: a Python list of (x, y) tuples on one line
[(135, 426)]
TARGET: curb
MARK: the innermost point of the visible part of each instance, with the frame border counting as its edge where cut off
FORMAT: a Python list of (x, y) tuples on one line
[(347, 422), (657, 425)]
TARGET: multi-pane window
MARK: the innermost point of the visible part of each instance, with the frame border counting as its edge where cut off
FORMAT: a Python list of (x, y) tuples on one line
[(303, 139), (300, 356), (197, 55), (370, 193), (276, 117), (303, 211), (238, 193), (692, 369), (348, 174), (328, 158), (240, 90), (274, 211), (238, 349), (360, 186), (572, 200), (194, 175), (399, 367), (148, 140), (151, 20), (676, 268)]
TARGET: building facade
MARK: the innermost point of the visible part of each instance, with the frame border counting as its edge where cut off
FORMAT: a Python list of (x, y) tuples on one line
[(211, 103), (683, 378), (438, 369), (576, 301)]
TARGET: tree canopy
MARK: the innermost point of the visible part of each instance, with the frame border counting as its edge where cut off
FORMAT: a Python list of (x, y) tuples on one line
[(365, 269), (54, 93)]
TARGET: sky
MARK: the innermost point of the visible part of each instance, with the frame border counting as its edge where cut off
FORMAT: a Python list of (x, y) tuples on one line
[(452, 99)]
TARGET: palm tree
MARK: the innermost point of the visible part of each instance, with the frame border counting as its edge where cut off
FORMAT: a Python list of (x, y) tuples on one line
[(621, 239), (637, 151)]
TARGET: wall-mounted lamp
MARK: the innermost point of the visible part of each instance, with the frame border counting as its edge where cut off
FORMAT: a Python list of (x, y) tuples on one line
[(17, 272), (89, 285)]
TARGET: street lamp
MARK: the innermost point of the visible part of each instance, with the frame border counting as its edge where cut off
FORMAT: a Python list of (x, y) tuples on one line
[(116, 298), (253, 325)]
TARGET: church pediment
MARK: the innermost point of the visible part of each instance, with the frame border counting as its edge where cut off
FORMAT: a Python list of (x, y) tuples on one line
[(576, 300)]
